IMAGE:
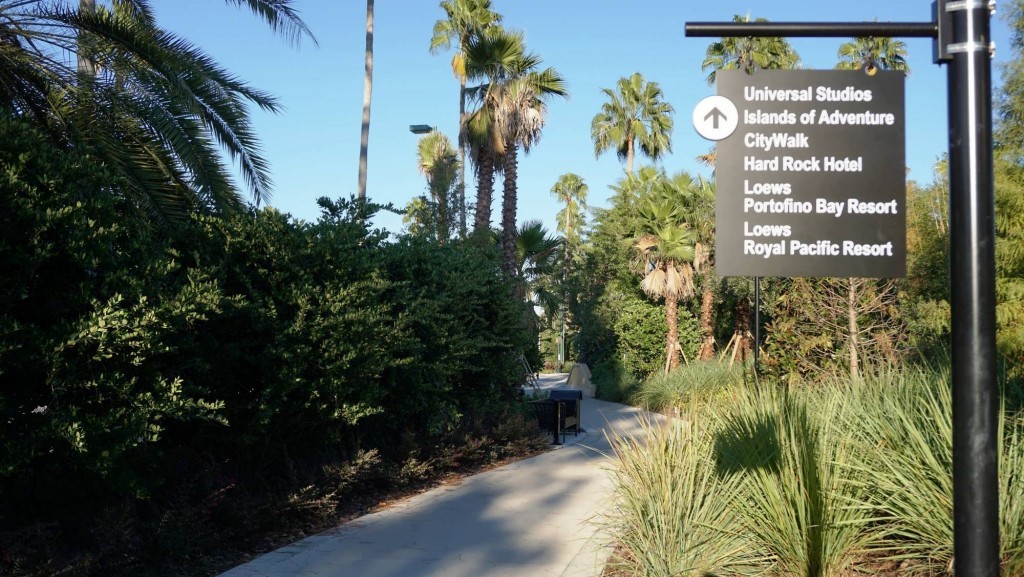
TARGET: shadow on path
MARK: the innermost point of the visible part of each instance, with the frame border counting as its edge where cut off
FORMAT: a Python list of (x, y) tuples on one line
[(530, 518)]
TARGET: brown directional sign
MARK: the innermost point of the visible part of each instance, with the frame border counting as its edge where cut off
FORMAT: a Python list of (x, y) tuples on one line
[(811, 182)]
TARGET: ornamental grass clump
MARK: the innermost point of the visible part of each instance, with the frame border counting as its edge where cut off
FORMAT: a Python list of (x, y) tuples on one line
[(1011, 491), (689, 387), (674, 514), (820, 481), (905, 430), (800, 497)]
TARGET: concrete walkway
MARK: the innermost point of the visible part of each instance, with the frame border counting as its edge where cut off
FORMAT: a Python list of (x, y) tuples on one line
[(535, 517)]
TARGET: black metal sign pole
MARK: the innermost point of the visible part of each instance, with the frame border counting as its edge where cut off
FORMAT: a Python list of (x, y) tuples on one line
[(961, 30), (972, 278)]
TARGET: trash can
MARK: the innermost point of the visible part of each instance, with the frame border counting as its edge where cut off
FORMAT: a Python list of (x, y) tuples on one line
[(549, 417), (560, 413)]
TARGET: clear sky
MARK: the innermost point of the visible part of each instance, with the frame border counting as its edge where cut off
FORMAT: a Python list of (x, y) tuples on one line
[(313, 146)]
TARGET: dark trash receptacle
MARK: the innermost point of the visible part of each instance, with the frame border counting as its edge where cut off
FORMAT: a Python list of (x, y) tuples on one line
[(560, 413)]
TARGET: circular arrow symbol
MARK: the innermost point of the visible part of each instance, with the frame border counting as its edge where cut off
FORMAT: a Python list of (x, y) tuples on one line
[(715, 117)]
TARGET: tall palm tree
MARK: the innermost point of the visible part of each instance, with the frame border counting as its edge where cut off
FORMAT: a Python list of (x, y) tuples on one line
[(492, 58), (872, 52), (666, 252), (466, 20), (439, 163), (151, 106), (510, 115), (571, 190), (749, 53), (635, 112), (520, 119), (697, 199), (364, 139)]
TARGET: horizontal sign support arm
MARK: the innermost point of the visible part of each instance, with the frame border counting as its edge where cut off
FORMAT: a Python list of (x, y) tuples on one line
[(812, 29)]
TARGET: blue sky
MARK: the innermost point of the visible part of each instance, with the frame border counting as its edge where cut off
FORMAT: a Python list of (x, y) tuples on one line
[(313, 145)]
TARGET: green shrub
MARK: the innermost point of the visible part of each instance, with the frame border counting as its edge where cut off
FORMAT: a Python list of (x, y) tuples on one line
[(905, 423), (612, 381), (641, 330), (1011, 491)]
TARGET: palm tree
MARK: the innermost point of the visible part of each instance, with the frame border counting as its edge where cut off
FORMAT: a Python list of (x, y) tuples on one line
[(466, 20), (438, 162), (749, 53), (636, 112), (697, 199), (364, 139), (536, 255), (520, 119), (152, 107), (666, 250), (492, 58), (510, 115), (571, 190), (871, 52)]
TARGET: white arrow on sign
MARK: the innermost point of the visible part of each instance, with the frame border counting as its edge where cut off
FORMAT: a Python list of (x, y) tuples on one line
[(715, 117)]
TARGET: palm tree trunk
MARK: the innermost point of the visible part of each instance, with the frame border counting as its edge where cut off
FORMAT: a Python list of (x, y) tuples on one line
[(707, 325), (462, 156), (364, 141), (86, 66), (672, 339), (484, 190), (443, 216), (508, 212), (742, 328), (629, 156)]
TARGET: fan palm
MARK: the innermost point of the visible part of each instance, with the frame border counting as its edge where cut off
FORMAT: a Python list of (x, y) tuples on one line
[(520, 116), (510, 116), (749, 53), (150, 105), (536, 255), (697, 199), (635, 112), (871, 52), (571, 190), (438, 162), (666, 250), (466, 20), (493, 58)]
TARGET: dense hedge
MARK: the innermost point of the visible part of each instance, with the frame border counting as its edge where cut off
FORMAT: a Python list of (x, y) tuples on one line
[(135, 361)]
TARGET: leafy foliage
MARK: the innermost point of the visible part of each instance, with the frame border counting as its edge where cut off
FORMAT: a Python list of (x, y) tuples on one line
[(152, 106), (240, 353)]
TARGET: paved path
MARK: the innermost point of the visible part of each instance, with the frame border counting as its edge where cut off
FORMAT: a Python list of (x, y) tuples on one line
[(531, 518)]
